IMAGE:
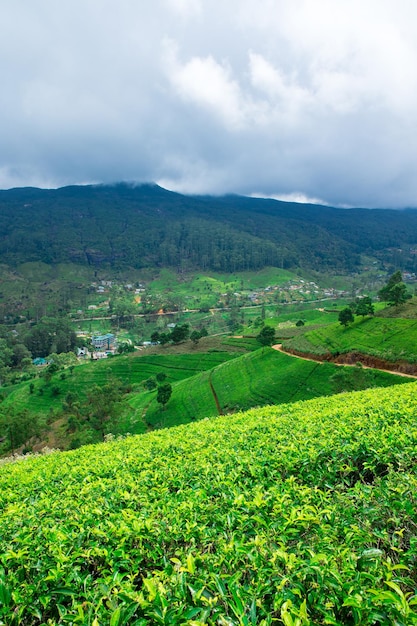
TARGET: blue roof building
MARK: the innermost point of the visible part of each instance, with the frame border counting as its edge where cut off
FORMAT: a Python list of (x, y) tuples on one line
[(103, 342)]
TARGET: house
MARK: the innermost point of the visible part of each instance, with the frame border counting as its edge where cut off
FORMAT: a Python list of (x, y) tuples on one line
[(105, 342), (96, 356), (39, 361)]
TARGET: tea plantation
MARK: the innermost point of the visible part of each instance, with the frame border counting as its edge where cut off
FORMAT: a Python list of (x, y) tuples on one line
[(301, 514), (391, 339)]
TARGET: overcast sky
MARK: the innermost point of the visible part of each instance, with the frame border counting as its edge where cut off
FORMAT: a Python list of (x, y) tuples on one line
[(285, 98)]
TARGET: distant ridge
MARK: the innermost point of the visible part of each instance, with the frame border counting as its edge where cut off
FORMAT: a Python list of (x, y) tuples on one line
[(144, 225)]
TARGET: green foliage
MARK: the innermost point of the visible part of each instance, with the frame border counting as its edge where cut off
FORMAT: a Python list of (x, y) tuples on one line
[(395, 291), (103, 405), (391, 339), (132, 369), (150, 383), (125, 348), (51, 335), (266, 336), (164, 229), (195, 337), (346, 316), (160, 228), (300, 514), (164, 393), (262, 377), (17, 427), (364, 306), (180, 333)]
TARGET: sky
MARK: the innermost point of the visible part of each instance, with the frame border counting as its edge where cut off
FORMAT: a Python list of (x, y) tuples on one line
[(306, 100)]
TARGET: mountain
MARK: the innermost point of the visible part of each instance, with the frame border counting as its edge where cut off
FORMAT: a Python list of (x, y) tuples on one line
[(125, 225)]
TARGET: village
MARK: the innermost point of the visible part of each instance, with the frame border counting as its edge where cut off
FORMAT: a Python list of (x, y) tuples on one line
[(143, 297)]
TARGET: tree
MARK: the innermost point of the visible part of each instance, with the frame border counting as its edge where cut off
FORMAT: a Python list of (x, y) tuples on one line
[(103, 405), (124, 309), (195, 337), (124, 348), (164, 338), (150, 383), (180, 333), (20, 353), (51, 335), (346, 316), (164, 393), (18, 426), (267, 336), (364, 307), (52, 369), (395, 291)]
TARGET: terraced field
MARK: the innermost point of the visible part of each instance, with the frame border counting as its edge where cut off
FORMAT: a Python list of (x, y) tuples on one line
[(131, 369), (254, 379), (392, 339)]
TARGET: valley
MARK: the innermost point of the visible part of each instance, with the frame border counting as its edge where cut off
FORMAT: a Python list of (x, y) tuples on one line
[(161, 461)]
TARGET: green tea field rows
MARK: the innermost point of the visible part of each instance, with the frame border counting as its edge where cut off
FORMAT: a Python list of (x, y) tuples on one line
[(297, 515), (131, 369), (391, 339), (258, 378)]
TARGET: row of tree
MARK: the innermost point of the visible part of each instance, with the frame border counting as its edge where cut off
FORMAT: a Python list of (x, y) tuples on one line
[(177, 335), (394, 293)]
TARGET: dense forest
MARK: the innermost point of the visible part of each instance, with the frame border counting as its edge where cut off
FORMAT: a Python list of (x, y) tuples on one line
[(139, 226)]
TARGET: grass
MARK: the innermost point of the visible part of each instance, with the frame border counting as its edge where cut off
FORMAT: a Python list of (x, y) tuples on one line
[(131, 369), (261, 377), (206, 381), (298, 515), (392, 339), (218, 283), (407, 310)]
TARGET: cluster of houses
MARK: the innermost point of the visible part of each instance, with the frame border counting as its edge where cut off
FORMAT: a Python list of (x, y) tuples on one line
[(294, 290), (101, 347), (105, 285)]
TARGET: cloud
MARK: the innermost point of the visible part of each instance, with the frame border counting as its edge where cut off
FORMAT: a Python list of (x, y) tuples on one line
[(291, 197), (186, 8), (277, 97), (208, 84)]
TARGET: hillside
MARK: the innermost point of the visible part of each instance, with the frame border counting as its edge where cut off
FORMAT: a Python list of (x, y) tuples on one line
[(144, 226), (64, 410), (390, 342), (298, 515), (259, 378)]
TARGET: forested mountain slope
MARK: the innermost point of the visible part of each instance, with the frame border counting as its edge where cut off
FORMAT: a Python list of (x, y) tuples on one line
[(146, 226)]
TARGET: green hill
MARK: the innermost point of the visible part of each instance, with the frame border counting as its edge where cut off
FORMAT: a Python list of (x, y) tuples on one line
[(390, 339), (265, 376), (298, 515), (61, 410), (130, 369)]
